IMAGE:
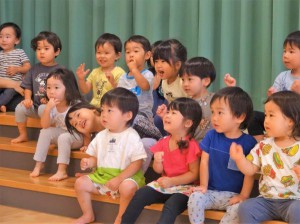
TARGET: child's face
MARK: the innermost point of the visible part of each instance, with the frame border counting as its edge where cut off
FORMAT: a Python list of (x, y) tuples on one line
[(83, 120), (113, 119), (276, 124), (165, 70), (8, 39), (194, 86), (222, 119), (56, 89), (291, 57), (106, 56), (134, 52), (45, 53), (173, 122)]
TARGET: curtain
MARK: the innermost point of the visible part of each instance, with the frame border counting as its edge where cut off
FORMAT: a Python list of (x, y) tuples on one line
[(241, 37)]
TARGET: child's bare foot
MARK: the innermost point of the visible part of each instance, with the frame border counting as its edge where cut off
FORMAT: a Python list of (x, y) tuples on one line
[(84, 219), (37, 169), (58, 176), (3, 108), (20, 139)]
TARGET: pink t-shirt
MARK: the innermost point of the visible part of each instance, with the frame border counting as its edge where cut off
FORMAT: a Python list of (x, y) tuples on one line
[(176, 162)]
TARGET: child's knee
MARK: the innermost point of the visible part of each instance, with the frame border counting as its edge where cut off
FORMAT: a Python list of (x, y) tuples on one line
[(81, 183), (127, 189)]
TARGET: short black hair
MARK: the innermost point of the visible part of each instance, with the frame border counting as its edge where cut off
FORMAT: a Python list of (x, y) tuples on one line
[(201, 67), (110, 38), (239, 103), (289, 104), (124, 99), (14, 26), (293, 39), (139, 39), (51, 38)]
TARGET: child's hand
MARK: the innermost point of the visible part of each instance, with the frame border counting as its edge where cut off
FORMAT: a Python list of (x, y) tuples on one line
[(236, 199), (164, 182), (114, 183), (110, 78), (84, 164), (161, 110), (44, 100), (296, 86), (271, 90), (296, 169), (83, 148), (159, 157), (12, 70), (200, 188), (80, 72), (236, 151), (132, 65), (27, 103), (52, 103), (229, 81)]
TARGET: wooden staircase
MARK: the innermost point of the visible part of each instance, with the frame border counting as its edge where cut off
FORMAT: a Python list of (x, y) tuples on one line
[(18, 189)]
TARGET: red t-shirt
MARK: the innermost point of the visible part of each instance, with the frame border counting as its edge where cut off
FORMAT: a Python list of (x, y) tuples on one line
[(176, 162)]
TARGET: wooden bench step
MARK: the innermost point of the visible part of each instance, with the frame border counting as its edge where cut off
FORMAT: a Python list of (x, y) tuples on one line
[(8, 119), (29, 147), (20, 179)]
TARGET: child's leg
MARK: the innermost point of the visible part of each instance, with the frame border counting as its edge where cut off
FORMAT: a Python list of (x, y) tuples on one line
[(84, 187), (6, 95), (46, 137), (173, 207), (3, 108), (257, 210), (142, 197), (126, 189), (197, 204), (65, 143), (289, 210), (21, 114)]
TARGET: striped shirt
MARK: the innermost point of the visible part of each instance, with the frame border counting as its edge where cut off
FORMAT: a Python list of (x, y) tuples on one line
[(16, 57)]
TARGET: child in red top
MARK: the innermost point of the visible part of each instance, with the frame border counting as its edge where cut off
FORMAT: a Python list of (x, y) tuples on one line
[(176, 158)]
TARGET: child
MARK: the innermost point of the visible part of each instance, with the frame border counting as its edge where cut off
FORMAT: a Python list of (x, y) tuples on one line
[(62, 92), (13, 63), (47, 46), (176, 157), (290, 79), (222, 185), (117, 152), (108, 48), (198, 73), (169, 57), (278, 159), (139, 80)]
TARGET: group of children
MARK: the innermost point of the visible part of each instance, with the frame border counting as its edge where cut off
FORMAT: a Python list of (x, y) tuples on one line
[(205, 159)]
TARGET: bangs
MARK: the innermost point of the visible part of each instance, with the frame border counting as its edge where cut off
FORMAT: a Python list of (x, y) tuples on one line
[(163, 53)]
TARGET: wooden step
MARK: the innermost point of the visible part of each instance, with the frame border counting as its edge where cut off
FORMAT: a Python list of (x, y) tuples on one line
[(29, 147), (20, 179), (8, 119)]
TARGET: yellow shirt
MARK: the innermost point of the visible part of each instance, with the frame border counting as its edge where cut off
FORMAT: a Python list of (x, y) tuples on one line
[(100, 83)]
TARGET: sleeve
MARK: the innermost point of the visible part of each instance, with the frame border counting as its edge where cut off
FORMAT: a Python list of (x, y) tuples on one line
[(92, 147), (138, 151), (27, 81), (121, 82), (279, 82), (254, 155), (118, 74), (205, 143), (23, 57), (150, 77), (158, 147), (90, 77)]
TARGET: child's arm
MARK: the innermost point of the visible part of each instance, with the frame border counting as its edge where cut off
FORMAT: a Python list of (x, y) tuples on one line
[(88, 163), (204, 172), (229, 80), (185, 178), (245, 192), (161, 110), (245, 166), (27, 102), (158, 162), (45, 119), (132, 169), (296, 86), (141, 81), (84, 86), (156, 82), (12, 70), (111, 79), (86, 142)]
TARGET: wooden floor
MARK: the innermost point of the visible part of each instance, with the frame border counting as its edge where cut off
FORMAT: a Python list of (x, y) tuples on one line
[(11, 215)]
